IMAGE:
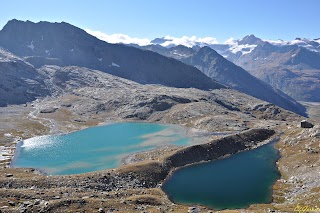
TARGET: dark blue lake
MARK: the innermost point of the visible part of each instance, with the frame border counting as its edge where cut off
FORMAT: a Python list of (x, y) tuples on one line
[(230, 183)]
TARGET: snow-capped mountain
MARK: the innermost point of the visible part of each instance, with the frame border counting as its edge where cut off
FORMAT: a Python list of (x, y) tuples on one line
[(312, 45), (235, 46), (291, 66)]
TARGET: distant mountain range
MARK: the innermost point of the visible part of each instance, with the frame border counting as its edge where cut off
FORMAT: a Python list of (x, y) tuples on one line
[(217, 67), (33, 45), (291, 66)]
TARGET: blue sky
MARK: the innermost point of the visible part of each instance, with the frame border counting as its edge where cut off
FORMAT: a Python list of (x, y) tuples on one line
[(222, 19)]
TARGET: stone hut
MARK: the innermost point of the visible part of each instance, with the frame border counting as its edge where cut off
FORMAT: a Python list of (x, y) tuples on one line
[(306, 124)]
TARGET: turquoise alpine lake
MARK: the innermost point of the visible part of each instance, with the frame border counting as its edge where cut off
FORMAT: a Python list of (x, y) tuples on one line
[(95, 148), (234, 182)]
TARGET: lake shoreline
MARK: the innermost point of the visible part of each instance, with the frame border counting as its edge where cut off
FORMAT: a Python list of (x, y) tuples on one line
[(169, 134)]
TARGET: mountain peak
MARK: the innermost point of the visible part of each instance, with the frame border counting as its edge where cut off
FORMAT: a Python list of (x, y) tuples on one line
[(250, 39), (208, 50), (43, 32), (14, 22), (27, 23)]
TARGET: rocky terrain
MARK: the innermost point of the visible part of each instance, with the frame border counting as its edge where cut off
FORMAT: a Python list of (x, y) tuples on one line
[(92, 95), (83, 97), (20, 82), (86, 97), (136, 188)]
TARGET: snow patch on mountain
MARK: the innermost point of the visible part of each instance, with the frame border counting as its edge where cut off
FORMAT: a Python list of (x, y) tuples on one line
[(243, 48), (31, 46), (115, 65), (175, 52), (48, 51), (312, 45), (235, 47)]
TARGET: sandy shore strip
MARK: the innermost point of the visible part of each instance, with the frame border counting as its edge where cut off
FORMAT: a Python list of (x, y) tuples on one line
[(6, 154)]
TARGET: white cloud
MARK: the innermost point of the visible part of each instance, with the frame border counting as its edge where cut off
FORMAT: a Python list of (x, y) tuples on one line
[(189, 41), (118, 38), (230, 41), (172, 41), (278, 42)]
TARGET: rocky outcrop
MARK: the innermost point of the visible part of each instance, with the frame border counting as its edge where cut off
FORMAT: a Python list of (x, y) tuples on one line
[(306, 124), (49, 110), (219, 148)]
